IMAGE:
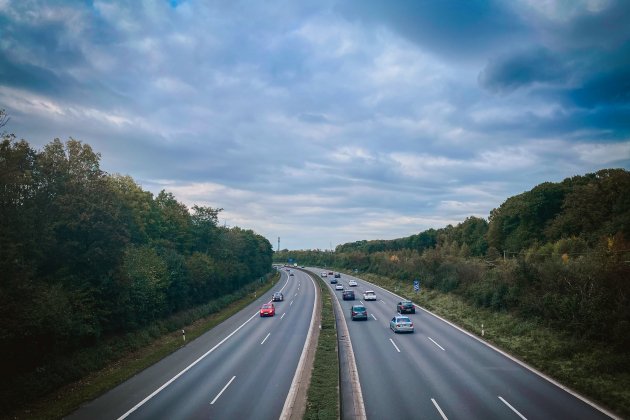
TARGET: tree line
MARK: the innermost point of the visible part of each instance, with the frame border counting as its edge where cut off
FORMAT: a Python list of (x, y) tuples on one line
[(559, 253), (86, 254)]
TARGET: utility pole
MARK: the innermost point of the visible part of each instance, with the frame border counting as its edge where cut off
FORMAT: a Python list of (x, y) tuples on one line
[(278, 244)]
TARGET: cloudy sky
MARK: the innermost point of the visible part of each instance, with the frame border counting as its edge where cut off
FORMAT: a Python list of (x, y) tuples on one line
[(326, 121)]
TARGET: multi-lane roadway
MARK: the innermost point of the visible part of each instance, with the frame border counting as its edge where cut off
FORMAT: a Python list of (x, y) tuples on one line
[(241, 369), (441, 372)]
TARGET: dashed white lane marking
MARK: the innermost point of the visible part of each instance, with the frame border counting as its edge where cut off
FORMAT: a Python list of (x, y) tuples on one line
[(224, 388), (395, 346), (439, 409), (512, 408), (283, 315), (262, 342), (174, 378), (291, 303), (436, 343), (374, 317)]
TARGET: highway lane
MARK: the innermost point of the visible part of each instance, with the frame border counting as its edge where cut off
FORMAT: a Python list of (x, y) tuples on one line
[(243, 368), (441, 372)]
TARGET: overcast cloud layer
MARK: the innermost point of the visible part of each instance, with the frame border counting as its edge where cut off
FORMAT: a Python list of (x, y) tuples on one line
[(325, 122)]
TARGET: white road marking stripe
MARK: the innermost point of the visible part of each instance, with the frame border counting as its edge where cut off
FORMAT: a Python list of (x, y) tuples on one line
[(361, 302), (513, 409), (224, 388), (170, 381), (291, 303), (395, 346), (262, 342), (295, 294), (382, 301), (374, 317), (436, 343), (439, 409), (283, 315)]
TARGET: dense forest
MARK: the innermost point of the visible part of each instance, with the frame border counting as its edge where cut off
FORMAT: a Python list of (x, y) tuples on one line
[(86, 255), (559, 253)]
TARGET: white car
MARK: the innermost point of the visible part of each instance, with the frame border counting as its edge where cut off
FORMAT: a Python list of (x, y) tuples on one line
[(324, 274), (369, 295), (339, 287), (352, 283)]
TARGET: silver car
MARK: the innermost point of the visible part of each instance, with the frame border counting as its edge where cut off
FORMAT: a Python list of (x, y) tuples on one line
[(401, 323)]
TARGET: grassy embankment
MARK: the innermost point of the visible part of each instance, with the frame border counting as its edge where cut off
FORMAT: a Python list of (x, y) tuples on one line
[(593, 369), (122, 357), (323, 393)]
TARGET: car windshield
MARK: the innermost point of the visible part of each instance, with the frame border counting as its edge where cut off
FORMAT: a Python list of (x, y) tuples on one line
[(404, 320), (358, 309), (266, 306)]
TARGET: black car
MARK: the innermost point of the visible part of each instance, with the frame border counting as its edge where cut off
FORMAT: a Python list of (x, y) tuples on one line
[(337, 275), (348, 295), (333, 281), (405, 307), (277, 297)]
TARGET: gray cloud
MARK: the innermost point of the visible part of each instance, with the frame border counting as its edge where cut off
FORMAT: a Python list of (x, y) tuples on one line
[(326, 122)]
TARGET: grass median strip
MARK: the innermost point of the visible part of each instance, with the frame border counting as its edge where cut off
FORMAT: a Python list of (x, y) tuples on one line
[(323, 393), (70, 397)]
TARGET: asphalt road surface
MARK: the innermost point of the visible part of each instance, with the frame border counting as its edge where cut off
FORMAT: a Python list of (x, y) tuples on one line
[(241, 369), (440, 372)]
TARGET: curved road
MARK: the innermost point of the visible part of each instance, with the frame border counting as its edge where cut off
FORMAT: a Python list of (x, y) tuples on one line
[(243, 368), (441, 372)]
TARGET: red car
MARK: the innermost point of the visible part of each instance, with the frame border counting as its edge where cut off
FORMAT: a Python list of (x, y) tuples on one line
[(268, 310)]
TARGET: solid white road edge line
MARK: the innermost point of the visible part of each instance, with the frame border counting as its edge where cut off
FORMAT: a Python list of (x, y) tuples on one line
[(512, 358), (289, 402), (439, 409), (436, 343), (170, 381), (395, 346), (512, 408), (265, 339), (221, 392)]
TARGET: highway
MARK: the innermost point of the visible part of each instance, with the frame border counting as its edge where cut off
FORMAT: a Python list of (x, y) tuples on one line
[(441, 372), (241, 369)]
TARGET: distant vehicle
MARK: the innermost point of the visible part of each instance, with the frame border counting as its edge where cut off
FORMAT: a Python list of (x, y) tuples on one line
[(291, 275), (339, 287), (369, 295), (324, 274), (330, 273), (405, 307), (348, 295), (358, 312), (401, 323), (333, 281), (268, 309), (277, 297), (301, 266), (352, 283), (337, 275)]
